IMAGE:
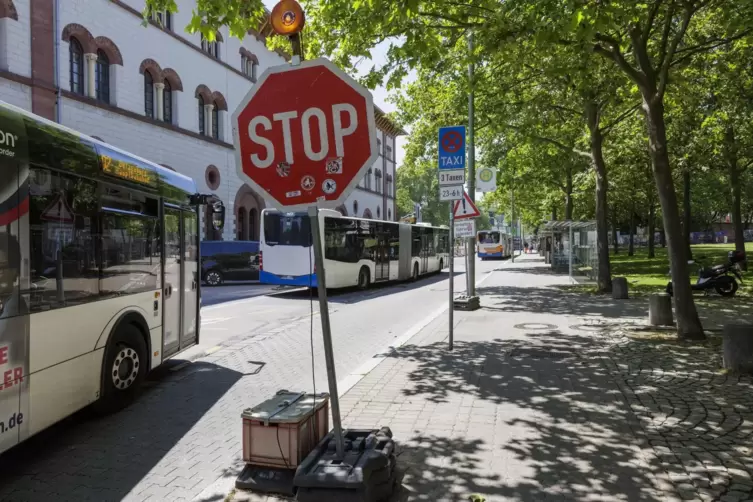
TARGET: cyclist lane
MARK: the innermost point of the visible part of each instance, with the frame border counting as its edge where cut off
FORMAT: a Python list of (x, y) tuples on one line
[(184, 433)]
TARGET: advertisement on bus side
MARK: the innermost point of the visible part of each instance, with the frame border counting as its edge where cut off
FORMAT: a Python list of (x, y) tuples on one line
[(14, 319)]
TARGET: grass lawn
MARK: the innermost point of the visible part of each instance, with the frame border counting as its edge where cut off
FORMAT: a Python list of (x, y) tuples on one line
[(650, 275)]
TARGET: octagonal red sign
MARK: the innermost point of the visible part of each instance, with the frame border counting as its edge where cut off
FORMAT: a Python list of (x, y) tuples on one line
[(305, 135)]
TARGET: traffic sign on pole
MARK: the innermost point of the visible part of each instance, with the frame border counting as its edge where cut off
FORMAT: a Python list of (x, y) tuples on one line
[(305, 135), (465, 229), (451, 147), (465, 208), (451, 193), (454, 177)]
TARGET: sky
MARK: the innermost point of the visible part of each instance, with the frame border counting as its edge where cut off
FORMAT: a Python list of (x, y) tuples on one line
[(378, 57)]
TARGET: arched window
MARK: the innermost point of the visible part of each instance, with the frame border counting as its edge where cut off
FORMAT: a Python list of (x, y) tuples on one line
[(241, 224), (215, 122), (148, 94), (253, 217), (102, 77), (201, 116), (167, 102), (367, 179), (76, 66), (355, 207)]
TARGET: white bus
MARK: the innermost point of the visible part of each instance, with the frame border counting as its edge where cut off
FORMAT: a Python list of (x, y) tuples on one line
[(357, 251), (492, 244), (99, 263)]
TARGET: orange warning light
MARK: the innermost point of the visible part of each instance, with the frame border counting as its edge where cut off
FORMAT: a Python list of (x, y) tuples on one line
[(287, 18)]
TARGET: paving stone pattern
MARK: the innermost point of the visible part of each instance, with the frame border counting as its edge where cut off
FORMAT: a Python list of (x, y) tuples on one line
[(547, 396), (697, 419)]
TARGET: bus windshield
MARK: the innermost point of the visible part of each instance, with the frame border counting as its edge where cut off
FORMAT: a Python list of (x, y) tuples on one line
[(488, 237), (287, 229)]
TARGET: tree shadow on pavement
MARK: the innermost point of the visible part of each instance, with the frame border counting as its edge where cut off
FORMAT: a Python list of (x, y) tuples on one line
[(86, 457), (540, 419), (555, 301)]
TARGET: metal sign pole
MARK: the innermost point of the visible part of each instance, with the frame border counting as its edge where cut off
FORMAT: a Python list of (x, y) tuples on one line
[(452, 272), (470, 269), (329, 355)]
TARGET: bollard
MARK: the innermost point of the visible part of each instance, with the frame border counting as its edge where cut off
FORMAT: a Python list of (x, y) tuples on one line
[(619, 288), (737, 348), (660, 310)]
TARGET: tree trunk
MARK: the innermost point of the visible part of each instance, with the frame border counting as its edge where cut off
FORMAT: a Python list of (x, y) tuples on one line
[(688, 323), (631, 245), (687, 214), (730, 155), (651, 226), (604, 276), (615, 241), (569, 194), (663, 238), (554, 213)]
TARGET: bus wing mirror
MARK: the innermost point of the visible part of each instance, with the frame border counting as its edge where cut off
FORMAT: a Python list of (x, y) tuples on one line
[(218, 215)]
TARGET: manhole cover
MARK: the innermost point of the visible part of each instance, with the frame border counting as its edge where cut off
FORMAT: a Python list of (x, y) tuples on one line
[(535, 326)]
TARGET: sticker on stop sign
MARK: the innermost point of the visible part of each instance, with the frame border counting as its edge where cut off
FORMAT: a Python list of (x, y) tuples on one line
[(317, 122)]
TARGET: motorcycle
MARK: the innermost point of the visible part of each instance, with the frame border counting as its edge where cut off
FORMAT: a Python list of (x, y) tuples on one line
[(718, 277)]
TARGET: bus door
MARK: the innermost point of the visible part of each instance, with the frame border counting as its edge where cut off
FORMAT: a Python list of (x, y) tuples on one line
[(424, 256), (382, 261), (181, 280)]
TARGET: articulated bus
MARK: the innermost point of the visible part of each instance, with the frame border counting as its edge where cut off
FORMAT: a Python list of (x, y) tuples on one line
[(99, 262), (357, 251), (492, 244)]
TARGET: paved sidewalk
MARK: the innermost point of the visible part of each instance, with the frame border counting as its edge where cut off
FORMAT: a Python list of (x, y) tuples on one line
[(521, 409), (549, 395)]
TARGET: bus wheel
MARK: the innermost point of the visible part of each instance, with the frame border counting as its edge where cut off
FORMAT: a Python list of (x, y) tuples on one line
[(213, 278), (415, 272), (363, 278), (125, 369)]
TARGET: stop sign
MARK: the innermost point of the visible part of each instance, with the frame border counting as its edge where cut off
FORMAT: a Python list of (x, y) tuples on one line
[(305, 135)]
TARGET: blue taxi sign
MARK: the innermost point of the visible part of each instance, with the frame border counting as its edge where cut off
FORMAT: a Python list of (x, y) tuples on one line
[(451, 147)]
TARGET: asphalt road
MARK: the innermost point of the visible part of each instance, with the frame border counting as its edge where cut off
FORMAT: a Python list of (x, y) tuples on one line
[(184, 433)]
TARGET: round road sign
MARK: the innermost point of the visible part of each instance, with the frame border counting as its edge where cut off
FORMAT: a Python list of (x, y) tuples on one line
[(452, 141)]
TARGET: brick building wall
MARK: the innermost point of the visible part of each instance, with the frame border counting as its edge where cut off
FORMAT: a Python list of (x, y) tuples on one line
[(32, 32)]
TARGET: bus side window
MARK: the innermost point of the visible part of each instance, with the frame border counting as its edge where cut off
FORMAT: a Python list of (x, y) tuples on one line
[(64, 234)]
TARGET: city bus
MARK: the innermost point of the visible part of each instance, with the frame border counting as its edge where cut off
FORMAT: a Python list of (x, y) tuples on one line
[(492, 244), (357, 251), (99, 257)]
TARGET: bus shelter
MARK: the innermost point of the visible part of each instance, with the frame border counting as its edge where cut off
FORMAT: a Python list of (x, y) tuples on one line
[(570, 247)]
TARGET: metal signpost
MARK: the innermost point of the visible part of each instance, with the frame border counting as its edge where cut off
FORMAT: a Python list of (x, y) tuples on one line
[(304, 136), (452, 276), (451, 172)]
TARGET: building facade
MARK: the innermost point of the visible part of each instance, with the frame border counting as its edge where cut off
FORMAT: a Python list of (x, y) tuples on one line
[(158, 92)]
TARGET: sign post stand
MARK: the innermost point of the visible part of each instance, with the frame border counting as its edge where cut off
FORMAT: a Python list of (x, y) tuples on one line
[(329, 355)]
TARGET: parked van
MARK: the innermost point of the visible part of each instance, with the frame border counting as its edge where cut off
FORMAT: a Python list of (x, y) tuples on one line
[(229, 261)]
